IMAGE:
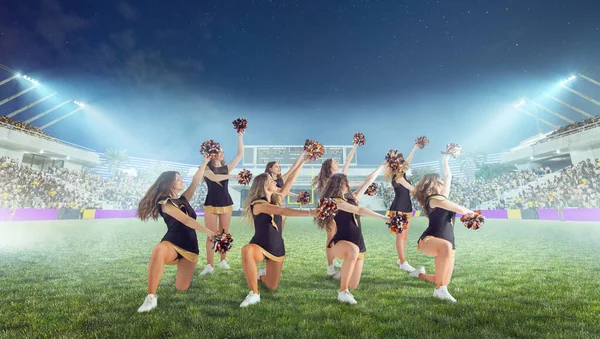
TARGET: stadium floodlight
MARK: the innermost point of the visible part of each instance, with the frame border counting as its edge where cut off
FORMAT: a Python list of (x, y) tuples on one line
[(68, 157), (531, 157), (569, 79), (32, 80), (79, 103), (557, 151), (520, 103), (18, 75), (41, 151)]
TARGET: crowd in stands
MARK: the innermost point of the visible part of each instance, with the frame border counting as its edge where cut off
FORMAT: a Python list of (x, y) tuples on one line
[(576, 186), (23, 187), (11, 123), (574, 128)]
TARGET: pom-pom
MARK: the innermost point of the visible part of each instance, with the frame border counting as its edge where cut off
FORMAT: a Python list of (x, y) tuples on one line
[(395, 160), (327, 208), (314, 149), (303, 198), (244, 177), (308, 143), (210, 148), (475, 222), (453, 149), (421, 142), (398, 222), (372, 189), (359, 139), (240, 124), (222, 242)]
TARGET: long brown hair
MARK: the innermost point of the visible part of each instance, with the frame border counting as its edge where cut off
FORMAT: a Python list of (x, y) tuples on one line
[(257, 191), (268, 169), (320, 181), (148, 208), (336, 187), (427, 186)]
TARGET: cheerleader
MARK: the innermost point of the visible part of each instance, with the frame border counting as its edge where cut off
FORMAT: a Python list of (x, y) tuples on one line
[(179, 246), (218, 204), (401, 204), (264, 206), (347, 243), (328, 168), (438, 239), (274, 170)]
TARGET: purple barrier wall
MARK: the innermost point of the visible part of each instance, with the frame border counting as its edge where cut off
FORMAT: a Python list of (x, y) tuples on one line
[(26, 214), (114, 214), (4, 214), (548, 214), (581, 214)]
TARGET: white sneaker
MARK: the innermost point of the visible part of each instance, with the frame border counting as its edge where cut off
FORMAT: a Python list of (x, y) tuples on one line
[(224, 265), (208, 269), (337, 275), (261, 271), (336, 263), (415, 273), (405, 266), (331, 269), (251, 299), (149, 304), (346, 297), (442, 293)]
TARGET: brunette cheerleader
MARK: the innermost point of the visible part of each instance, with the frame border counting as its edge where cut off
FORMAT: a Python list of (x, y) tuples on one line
[(179, 246)]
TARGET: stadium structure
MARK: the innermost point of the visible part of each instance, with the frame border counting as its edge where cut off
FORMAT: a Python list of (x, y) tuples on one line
[(27, 111)]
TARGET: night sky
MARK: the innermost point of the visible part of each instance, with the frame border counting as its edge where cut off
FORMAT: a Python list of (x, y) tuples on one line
[(160, 77)]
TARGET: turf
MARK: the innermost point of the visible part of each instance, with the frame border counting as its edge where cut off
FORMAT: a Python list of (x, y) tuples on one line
[(512, 279)]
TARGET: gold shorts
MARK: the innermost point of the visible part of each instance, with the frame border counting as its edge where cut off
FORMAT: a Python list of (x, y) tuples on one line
[(193, 257), (218, 209)]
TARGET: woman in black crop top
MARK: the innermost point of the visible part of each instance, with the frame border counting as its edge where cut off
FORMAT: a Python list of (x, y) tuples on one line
[(347, 243), (218, 205), (328, 168), (180, 244), (401, 203), (274, 170), (264, 207), (438, 239)]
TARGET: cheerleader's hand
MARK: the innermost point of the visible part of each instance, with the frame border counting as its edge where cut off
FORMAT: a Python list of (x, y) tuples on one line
[(211, 235)]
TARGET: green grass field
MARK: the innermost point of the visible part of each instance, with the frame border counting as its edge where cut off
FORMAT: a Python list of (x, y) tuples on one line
[(512, 279)]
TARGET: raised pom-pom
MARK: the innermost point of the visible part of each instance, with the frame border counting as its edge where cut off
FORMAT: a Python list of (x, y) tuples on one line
[(240, 124), (475, 222), (210, 149), (222, 242), (244, 177), (395, 160), (303, 198), (372, 189), (359, 139), (327, 208), (452, 149), (398, 222), (307, 143), (421, 142), (314, 149)]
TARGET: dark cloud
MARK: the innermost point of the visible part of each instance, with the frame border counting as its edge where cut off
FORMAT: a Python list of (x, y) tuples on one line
[(127, 11)]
